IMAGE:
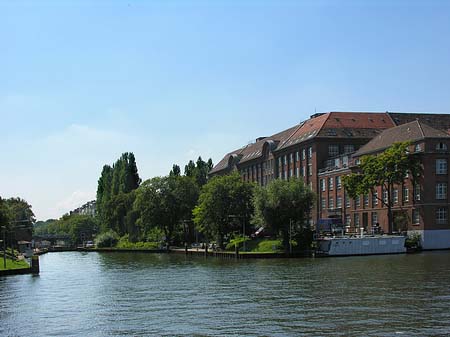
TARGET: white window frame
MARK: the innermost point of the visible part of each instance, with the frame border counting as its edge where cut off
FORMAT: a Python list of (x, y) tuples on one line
[(415, 216), (395, 195), (375, 199), (441, 191), (417, 195), (441, 215), (405, 194), (441, 166)]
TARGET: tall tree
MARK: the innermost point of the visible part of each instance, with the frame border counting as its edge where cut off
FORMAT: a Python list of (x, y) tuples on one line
[(199, 170), (132, 179), (114, 201), (223, 199), (386, 169), (104, 189), (176, 171), (281, 203)]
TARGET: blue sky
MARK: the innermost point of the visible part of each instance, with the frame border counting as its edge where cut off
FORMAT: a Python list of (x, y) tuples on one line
[(82, 82)]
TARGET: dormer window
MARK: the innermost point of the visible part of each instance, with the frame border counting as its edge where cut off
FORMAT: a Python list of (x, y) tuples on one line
[(441, 147), (417, 148)]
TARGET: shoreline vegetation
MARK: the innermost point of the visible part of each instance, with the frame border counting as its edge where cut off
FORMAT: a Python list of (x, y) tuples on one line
[(179, 209), (13, 264)]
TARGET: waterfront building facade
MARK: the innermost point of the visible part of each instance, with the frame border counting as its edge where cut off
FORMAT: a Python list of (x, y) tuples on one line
[(324, 148)]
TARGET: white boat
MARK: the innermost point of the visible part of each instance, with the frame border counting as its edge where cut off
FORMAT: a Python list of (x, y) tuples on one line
[(361, 245)]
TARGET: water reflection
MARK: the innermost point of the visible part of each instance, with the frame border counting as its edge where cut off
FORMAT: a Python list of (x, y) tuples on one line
[(137, 294)]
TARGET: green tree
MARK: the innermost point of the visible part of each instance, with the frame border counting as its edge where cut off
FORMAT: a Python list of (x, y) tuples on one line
[(221, 200), (164, 202), (386, 169), (104, 189), (282, 203), (199, 170), (115, 197), (4, 213), (116, 213), (176, 171)]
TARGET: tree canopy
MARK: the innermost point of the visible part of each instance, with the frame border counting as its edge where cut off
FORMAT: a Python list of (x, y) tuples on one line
[(281, 203), (221, 198), (164, 202), (114, 192)]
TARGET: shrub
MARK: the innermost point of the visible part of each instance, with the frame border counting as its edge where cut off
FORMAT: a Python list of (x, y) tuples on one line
[(107, 239), (126, 244), (413, 240), (268, 246)]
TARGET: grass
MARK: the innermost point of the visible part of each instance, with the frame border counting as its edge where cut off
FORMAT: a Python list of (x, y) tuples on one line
[(263, 245), (125, 244), (11, 264)]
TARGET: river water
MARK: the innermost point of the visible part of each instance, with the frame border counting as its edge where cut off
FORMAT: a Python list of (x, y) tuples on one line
[(138, 294)]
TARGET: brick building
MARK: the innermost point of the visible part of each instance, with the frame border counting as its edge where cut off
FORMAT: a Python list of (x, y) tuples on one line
[(321, 149)]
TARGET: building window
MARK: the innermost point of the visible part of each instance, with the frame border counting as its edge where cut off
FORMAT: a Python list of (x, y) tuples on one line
[(349, 148), (338, 182), (298, 172), (417, 148), (309, 152), (323, 203), (339, 202), (330, 202), (347, 201), (441, 191), (385, 197), (366, 200), (441, 147), (322, 184), (310, 185), (291, 158), (347, 220), (333, 150), (374, 198), (357, 202), (417, 192), (310, 169), (285, 160), (441, 215), (441, 166), (395, 195), (356, 220), (374, 218), (330, 183), (292, 172), (303, 154), (405, 194), (297, 156), (415, 217), (303, 171)]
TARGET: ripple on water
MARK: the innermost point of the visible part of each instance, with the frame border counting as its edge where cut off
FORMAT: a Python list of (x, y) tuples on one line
[(91, 294)]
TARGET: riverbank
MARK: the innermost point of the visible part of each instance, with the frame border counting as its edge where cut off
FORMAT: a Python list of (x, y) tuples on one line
[(20, 267)]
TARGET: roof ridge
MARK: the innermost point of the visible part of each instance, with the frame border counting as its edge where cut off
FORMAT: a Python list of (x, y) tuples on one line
[(420, 127), (390, 117), (324, 122), (293, 133)]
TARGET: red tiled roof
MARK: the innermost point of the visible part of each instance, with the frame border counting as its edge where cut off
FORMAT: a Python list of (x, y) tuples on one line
[(413, 131), (308, 129), (359, 120)]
